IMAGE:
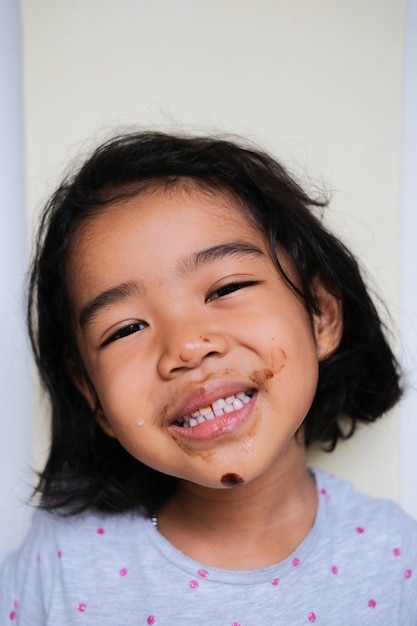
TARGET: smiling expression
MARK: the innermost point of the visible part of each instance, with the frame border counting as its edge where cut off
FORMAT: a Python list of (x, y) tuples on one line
[(203, 359)]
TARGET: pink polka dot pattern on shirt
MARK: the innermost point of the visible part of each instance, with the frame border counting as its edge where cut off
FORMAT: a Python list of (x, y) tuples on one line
[(203, 573), (370, 606), (323, 492), (13, 614)]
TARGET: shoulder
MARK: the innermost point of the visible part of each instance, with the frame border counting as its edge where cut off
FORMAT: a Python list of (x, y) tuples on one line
[(19, 572), (357, 510), (51, 535), (374, 541), (55, 549)]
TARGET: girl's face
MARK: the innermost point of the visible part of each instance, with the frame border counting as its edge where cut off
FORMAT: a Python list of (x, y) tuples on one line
[(203, 359)]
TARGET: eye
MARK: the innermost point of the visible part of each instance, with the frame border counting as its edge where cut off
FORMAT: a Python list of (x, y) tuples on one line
[(230, 288), (125, 331)]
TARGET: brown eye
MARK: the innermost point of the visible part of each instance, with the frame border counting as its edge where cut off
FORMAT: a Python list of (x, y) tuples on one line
[(125, 331), (230, 288)]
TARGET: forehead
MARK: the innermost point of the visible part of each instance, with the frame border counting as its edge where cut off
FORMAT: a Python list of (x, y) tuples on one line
[(158, 225), (177, 202)]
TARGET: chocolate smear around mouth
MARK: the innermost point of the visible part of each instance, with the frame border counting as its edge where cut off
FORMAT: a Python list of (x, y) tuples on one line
[(231, 480)]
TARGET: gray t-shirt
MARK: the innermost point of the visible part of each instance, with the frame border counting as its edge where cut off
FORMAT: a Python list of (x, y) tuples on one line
[(356, 567)]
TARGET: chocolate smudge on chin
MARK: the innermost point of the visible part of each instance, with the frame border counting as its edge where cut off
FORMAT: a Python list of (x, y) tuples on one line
[(231, 480)]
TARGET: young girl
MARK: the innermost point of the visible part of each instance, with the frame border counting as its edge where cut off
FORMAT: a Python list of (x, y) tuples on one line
[(197, 328)]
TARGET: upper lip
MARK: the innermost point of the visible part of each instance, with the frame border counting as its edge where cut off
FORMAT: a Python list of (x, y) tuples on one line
[(206, 394)]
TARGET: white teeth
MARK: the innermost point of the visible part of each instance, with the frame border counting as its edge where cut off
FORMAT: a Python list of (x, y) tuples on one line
[(219, 407), (243, 397)]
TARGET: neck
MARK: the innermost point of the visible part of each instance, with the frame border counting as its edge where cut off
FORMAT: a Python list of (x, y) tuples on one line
[(250, 526)]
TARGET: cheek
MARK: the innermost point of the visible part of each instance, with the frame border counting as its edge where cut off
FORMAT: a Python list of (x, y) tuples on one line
[(300, 378), (288, 343), (292, 374), (125, 397)]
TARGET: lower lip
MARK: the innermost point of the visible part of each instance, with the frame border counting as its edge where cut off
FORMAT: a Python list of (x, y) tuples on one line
[(216, 427)]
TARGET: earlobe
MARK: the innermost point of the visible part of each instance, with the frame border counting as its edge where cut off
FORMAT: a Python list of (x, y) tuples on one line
[(328, 325), (87, 390)]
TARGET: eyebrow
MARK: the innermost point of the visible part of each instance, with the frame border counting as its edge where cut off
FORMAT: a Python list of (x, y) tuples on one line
[(186, 265), (196, 260), (115, 294)]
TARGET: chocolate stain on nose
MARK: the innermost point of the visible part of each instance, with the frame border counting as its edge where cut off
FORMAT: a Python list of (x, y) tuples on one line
[(231, 480)]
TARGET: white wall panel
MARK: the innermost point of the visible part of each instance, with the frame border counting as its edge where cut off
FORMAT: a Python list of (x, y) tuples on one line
[(15, 395), (409, 265)]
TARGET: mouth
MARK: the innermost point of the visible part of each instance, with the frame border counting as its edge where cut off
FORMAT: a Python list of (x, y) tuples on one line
[(223, 416), (221, 406)]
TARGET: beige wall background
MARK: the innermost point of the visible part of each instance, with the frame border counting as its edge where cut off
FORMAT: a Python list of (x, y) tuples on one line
[(318, 83)]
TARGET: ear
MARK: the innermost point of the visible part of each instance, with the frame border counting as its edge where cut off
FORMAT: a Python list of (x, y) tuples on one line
[(328, 325), (86, 389)]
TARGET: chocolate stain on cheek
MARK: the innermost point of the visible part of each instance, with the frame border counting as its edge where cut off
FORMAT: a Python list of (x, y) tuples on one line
[(231, 480), (278, 363), (261, 377)]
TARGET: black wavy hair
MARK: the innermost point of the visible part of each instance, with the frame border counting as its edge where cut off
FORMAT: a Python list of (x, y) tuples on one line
[(358, 382)]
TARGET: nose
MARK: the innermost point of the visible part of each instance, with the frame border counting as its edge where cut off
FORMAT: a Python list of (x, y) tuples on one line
[(187, 348)]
